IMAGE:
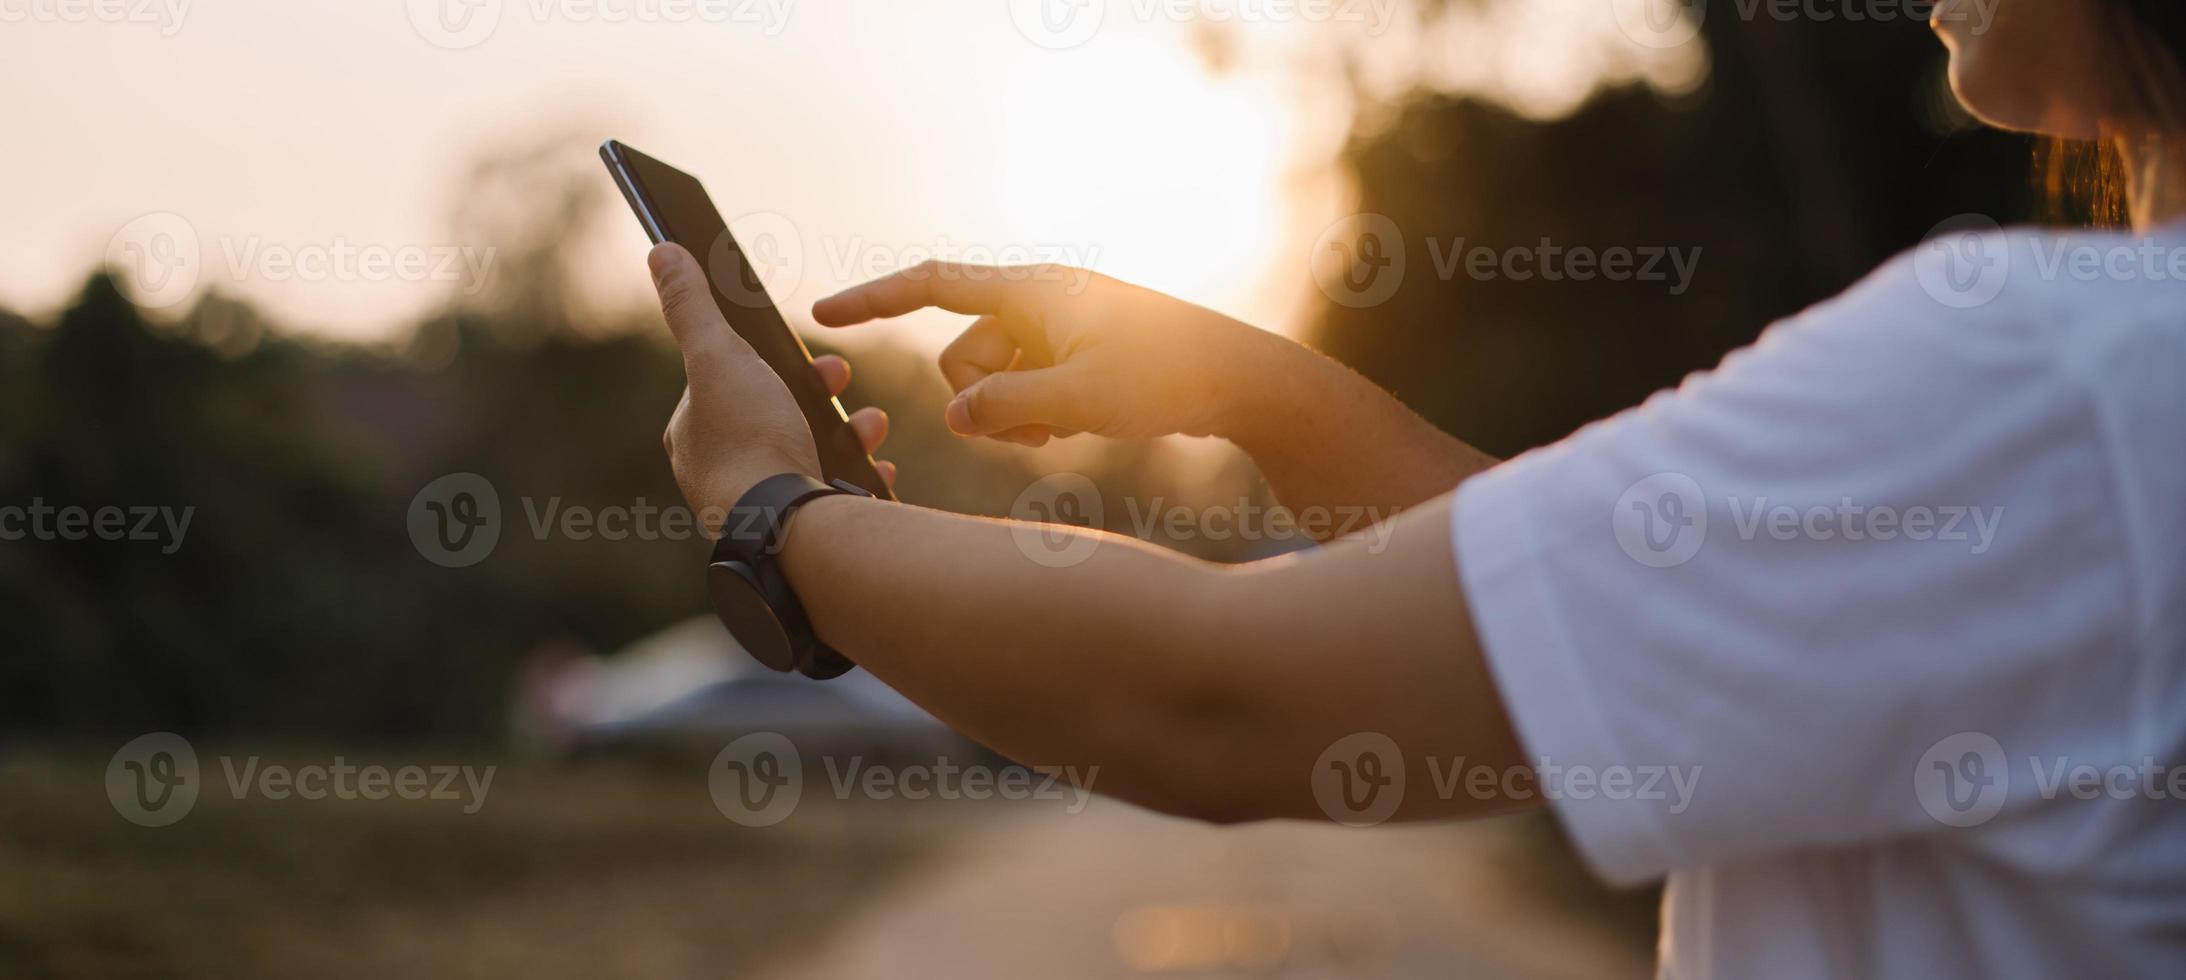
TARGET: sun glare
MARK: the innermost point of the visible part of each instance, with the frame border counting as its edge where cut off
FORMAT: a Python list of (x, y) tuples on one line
[(878, 133)]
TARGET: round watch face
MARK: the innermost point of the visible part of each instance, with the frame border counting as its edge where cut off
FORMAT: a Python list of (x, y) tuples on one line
[(743, 607)]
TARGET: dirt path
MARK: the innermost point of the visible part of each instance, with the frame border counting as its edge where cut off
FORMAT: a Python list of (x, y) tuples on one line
[(1115, 892)]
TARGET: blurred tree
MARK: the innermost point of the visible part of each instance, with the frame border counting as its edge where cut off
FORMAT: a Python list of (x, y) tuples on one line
[(1812, 153)]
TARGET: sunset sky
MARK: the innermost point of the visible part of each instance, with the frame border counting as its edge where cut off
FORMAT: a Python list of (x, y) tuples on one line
[(280, 134)]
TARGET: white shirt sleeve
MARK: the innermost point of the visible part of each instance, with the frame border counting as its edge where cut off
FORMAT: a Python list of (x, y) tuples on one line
[(1783, 584)]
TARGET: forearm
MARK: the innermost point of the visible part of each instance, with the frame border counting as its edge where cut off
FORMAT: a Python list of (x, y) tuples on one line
[(1104, 662), (1326, 438), (1203, 690)]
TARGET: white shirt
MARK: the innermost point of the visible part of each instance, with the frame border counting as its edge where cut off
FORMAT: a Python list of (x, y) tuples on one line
[(1887, 589)]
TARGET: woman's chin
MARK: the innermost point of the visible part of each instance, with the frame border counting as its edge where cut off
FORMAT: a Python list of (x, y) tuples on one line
[(1997, 107)]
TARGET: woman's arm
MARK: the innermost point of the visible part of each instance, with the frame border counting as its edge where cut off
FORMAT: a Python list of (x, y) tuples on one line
[(1326, 438), (1056, 352), (1201, 690), (1204, 690)]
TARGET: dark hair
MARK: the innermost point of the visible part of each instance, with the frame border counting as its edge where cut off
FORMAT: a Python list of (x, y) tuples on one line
[(2146, 40)]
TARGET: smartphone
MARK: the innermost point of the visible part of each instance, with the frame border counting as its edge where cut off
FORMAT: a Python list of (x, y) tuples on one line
[(673, 207)]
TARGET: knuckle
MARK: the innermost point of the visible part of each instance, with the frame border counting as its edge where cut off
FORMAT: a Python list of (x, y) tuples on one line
[(953, 354), (986, 406), (976, 407)]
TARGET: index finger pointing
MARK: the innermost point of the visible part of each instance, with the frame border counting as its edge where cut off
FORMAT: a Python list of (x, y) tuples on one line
[(952, 286)]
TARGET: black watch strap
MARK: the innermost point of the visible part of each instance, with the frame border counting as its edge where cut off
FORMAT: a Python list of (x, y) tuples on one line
[(750, 593), (754, 526)]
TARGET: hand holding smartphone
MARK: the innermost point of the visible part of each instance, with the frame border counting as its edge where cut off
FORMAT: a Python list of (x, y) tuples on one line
[(674, 207)]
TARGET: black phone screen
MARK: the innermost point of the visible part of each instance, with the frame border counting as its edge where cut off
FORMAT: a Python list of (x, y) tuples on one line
[(674, 207)]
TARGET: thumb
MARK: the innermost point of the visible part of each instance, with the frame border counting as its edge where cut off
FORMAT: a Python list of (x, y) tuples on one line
[(1008, 399), (687, 300)]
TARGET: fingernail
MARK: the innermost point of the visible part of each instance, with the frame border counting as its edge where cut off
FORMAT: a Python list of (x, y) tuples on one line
[(959, 416), (661, 261)]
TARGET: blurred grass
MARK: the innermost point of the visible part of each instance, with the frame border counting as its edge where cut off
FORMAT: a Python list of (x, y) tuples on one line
[(565, 872)]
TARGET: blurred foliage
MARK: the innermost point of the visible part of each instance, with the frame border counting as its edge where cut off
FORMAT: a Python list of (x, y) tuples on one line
[(296, 603), (1814, 152)]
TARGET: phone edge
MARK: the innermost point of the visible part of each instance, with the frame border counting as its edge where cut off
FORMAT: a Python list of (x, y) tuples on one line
[(611, 153)]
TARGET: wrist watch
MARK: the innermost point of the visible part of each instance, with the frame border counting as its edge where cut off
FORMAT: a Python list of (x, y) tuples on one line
[(749, 592)]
